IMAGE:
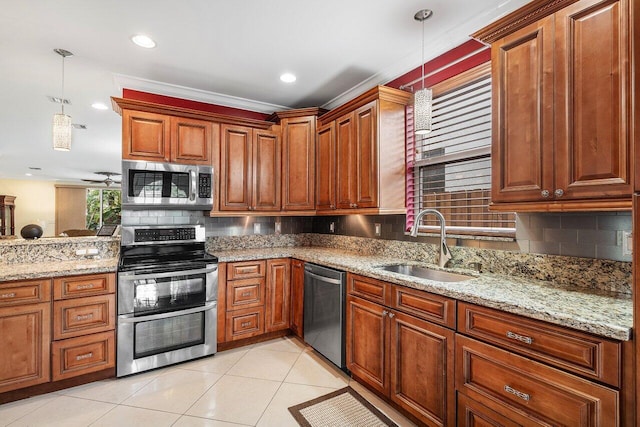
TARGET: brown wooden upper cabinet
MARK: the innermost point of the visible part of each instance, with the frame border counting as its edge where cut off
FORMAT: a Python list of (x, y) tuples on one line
[(362, 144), (561, 106), (249, 169), (164, 138)]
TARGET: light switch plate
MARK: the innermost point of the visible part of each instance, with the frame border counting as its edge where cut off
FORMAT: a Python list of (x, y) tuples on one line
[(256, 228), (278, 227), (627, 243), (332, 227)]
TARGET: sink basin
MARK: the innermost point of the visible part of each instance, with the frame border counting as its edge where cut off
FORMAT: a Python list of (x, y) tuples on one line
[(425, 273)]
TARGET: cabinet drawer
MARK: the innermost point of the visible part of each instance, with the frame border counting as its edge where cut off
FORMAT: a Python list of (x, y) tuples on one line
[(72, 318), (371, 289), (25, 292), (246, 293), (581, 353), (529, 392), (434, 308), (246, 270), (78, 356), (83, 286), (245, 323)]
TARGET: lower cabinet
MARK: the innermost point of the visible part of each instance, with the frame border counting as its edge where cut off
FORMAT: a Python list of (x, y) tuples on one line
[(406, 358), (257, 298), (297, 298)]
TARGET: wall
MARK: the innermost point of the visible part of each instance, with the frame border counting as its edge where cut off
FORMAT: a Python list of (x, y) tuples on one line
[(35, 203)]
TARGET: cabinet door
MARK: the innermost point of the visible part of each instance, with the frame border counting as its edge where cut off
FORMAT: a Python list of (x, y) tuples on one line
[(345, 161), (25, 339), (78, 356), (81, 316), (278, 308), (266, 171), (298, 163), (297, 297), (146, 136), (365, 183), (190, 141), (235, 168), (367, 336), (522, 147), (592, 100), (422, 369), (326, 167)]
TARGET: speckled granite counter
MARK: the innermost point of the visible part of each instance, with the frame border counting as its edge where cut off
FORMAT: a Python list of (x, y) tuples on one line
[(57, 269), (598, 312)]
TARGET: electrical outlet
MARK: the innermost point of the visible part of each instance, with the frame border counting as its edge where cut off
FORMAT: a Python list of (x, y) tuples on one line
[(378, 229), (278, 227), (256, 228), (332, 227), (627, 243), (92, 251), (81, 252)]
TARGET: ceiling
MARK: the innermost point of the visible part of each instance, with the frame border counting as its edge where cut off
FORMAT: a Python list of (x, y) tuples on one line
[(225, 52)]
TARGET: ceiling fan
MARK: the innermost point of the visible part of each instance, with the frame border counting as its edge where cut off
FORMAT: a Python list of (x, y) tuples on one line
[(108, 181)]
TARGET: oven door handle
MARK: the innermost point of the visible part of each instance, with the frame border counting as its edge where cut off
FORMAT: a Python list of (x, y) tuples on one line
[(135, 276), (130, 318)]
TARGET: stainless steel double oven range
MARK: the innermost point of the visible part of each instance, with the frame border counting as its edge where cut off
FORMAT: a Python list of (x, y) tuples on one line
[(167, 297)]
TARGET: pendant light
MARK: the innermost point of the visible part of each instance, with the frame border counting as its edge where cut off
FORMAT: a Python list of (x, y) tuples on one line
[(422, 98), (62, 121)]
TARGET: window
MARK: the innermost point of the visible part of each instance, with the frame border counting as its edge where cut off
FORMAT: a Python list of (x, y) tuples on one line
[(450, 168), (103, 207)]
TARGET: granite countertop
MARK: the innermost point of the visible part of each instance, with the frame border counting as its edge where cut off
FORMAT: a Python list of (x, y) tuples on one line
[(597, 312), (57, 269)]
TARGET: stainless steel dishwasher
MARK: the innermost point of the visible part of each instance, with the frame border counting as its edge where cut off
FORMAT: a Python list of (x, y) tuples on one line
[(324, 312)]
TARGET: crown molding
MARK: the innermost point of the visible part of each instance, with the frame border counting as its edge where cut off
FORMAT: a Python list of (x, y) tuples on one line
[(130, 82)]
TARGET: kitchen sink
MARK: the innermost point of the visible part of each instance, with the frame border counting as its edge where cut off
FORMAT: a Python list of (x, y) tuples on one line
[(425, 273)]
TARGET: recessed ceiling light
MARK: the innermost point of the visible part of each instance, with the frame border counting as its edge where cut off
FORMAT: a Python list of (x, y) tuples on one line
[(99, 106), (28, 174), (143, 41), (288, 78)]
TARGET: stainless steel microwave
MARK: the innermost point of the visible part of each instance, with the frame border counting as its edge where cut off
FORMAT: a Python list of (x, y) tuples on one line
[(166, 185)]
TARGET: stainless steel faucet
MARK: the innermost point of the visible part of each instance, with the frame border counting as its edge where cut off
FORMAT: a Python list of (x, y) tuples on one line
[(445, 253)]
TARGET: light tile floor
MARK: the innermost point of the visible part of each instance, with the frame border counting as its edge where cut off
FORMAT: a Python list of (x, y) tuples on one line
[(248, 386)]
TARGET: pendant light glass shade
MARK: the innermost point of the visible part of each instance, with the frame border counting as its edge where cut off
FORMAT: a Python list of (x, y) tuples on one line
[(61, 132), (422, 111), (61, 121)]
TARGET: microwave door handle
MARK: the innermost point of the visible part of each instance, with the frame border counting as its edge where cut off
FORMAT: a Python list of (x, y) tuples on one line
[(135, 276), (131, 318), (194, 185)]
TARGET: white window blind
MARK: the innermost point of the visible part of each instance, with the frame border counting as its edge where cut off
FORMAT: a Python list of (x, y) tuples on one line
[(452, 164)]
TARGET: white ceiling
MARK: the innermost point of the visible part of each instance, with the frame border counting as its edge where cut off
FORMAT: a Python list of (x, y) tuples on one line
[(205, 48)]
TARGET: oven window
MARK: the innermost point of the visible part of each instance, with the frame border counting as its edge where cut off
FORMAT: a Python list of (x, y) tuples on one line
[(168, 294), (159, 336)]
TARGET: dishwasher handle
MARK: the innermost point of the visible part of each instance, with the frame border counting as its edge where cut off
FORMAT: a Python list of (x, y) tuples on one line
[(323, 278)]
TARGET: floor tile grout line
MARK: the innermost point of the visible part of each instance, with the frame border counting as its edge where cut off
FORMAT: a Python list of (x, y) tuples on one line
[(202, 395), (33, 410)]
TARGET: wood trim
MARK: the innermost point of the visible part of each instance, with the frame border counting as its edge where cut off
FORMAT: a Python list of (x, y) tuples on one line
[(222, 303), (300, 112), (565, 206), (222, 346), (522, 17), (378, 92), (120, 104)]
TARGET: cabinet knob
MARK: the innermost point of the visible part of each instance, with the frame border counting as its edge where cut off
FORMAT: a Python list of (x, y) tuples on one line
[(332, 206), (545, 193), (391, 315), (384, 313), (559, 192)]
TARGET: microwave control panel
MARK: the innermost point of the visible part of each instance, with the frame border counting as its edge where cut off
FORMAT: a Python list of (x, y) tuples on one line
[(204, 185)]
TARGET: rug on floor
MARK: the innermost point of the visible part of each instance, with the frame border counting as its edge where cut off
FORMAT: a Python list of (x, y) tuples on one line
[(344, 407)]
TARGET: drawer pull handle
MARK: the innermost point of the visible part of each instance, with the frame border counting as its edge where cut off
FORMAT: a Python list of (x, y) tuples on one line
[(87, 286), (521, 395), (84, 317), (9, 295), (246, 294), (84, 356), (518, 337), (245, 324)]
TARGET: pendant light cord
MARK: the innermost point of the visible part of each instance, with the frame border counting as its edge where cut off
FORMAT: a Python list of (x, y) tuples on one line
[(62, 101), (421, 63)]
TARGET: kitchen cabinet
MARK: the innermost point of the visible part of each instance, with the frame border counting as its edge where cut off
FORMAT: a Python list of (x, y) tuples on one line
[(165, 138), (25, 338), (84, 313), (529, 392), (298, 129), (403, 357), (249, 169), (561, 107), (7, 216), (278, 304), (364, 140), (297, 297)]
